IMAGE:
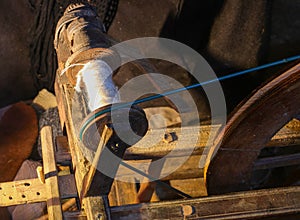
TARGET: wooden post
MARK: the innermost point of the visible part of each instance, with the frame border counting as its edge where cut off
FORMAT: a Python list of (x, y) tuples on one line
[(51, 178)]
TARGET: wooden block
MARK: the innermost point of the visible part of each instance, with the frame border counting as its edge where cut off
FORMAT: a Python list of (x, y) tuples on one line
[(126, 192), (62, 154), (67, 186)]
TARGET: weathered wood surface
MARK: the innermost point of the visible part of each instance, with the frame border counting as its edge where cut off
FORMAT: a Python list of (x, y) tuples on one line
[(93, 206), (51, 178), (286, 136), (140, 154), (256, 121), (122, 193), (22, 191), (243, 205), (33, 190)]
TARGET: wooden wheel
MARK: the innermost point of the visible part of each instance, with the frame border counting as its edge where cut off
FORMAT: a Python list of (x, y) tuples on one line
[(230, 161)]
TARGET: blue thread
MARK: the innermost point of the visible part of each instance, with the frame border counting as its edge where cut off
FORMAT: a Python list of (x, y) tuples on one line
[(138, 101)]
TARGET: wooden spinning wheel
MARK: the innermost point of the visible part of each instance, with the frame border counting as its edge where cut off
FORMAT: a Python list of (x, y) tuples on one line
[(251, 127)]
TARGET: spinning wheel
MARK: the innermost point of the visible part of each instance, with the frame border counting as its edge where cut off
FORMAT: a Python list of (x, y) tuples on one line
[(231, 160)]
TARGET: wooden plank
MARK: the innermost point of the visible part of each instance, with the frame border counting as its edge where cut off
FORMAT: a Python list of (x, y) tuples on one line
[(193, 187), (33, 190), (244, 205), (51, 178), (145, 149), (78, 160), (289, 135), (278, 161), (98, 207), (190, 169), (63, 154), (123, 193), (147, 187), (22, 192), (93, 206)]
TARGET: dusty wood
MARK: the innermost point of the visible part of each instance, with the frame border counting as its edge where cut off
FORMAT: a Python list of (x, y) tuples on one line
[(51, 178), (33, 190), (244, 205), (190, 169), (78, 160), (289, 135), (193, 187), (145, 149), (22, 191), (60, 104), (45, 99), (64, 93), (98, 207), (122, 193), (249, 130)]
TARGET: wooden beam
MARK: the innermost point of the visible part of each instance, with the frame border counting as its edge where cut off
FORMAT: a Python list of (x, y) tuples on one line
[(289, 135), (51, 178), (242, 205), (190, 169), (145, 149), (278, 161), (22, 191), (92, 205), (32, 191)]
